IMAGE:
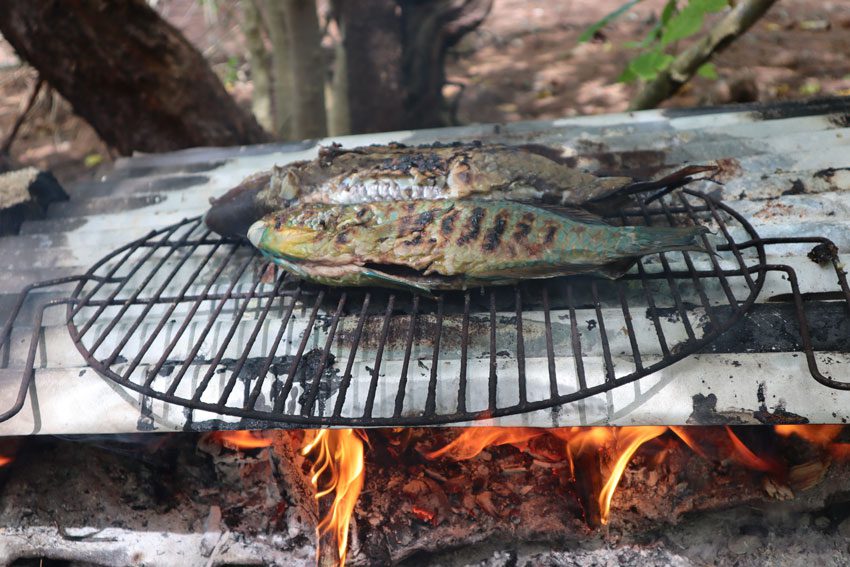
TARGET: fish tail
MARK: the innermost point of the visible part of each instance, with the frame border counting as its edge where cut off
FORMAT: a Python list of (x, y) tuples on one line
[(652, 240)]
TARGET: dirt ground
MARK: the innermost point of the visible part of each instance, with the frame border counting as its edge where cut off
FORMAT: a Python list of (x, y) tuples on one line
[(522, 63)]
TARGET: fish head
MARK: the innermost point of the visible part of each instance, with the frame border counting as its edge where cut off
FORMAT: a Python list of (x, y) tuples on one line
[(293, 242)]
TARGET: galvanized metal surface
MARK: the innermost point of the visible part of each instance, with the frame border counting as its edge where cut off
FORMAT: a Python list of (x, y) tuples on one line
[(786, 169)]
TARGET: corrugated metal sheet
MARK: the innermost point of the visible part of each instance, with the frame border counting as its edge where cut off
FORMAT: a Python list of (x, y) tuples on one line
[(786, 168)]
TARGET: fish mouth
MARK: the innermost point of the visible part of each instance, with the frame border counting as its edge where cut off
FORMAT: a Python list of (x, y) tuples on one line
[(256, 232), (233, 213)]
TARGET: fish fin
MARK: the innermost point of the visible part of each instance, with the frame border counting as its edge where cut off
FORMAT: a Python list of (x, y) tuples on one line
[(385, 279), (678, 178), (573, 213), (290, 266), (616, 269)]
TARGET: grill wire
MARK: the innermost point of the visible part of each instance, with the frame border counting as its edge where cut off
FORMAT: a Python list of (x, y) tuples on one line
[(208, 324)]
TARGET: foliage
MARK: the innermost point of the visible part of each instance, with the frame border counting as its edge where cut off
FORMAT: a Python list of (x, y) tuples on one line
[(678, 20)]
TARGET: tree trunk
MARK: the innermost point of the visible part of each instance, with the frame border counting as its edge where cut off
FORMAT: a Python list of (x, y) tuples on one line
[(283, 90), (367, 69), (393, 59), (429, 29), (308, 69), (130, 74), (258, 58)]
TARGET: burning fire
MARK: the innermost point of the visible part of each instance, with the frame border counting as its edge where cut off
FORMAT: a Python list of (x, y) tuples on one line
[(578, 440), (241, 439), (337, 467), (337, 457), (5, 461)]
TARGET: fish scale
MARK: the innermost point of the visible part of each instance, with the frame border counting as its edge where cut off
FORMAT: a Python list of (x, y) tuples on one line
[(454, 244)]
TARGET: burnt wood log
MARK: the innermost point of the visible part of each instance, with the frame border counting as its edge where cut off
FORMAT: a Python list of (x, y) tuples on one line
[(135, 78)]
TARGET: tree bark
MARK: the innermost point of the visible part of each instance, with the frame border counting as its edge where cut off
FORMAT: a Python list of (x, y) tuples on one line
[(686, 64), (130, 74), (308, 69), (430, 28), (258, 58), (393, 59), (283, 89), (367, 69)]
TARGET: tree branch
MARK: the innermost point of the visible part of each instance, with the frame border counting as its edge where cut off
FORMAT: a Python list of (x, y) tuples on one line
[(7, 145), (685, 65)]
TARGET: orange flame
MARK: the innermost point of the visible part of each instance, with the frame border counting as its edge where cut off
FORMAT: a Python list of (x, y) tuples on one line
[(5, 461), (475, 439), (624, 440), (814, 434), (337, 467), (627, 441), (241, 439), (744, 456)]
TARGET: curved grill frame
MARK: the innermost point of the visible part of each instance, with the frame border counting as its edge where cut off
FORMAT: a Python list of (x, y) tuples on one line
[(429, 415)]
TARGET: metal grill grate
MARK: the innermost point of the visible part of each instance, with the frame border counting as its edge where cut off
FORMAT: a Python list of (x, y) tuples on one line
[(206, 323)]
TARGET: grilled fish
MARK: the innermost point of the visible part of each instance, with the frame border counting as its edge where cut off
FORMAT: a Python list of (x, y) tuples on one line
[(454, 244), (398, 172)]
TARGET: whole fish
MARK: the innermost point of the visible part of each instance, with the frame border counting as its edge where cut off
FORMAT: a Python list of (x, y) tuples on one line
[(438, 171), (454, 244)]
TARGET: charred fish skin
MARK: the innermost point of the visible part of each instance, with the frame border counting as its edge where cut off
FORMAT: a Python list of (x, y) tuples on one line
[(398, 172), (455, 244)]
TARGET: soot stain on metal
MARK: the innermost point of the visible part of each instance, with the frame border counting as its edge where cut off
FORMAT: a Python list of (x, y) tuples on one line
[(705, 412), (779, 416), (823, 253), (307, 371), (797, 188), (178, 182), (145, 421)]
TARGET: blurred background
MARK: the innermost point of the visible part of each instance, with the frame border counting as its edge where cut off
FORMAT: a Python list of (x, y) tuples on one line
[(309, 69)]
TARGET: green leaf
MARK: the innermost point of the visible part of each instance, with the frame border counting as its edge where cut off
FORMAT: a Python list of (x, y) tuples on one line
[(711, 5), (682, 25), (689, 21), (591, 31), (670, 8), (647, 65), (627, 76), (708, 71)]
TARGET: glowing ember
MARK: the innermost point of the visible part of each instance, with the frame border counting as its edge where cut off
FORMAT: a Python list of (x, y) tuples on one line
[(337, 467), (5, 461), (241, 439), (623, 442)]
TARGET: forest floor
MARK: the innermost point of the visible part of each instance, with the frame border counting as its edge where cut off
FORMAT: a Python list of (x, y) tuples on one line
[(523, 63)]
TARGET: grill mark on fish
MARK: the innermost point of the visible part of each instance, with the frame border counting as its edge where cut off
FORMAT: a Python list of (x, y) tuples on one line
[(523, 227), (493, 237), (551, 229), (410, 224), (447, 225), (416, 240), (473, 226)]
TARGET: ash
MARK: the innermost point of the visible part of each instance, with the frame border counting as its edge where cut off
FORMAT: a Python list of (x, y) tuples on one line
[(154, 500), (183, 499)]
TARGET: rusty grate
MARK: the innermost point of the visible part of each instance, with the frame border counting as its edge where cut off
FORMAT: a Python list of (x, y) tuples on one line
[(206, 323)]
